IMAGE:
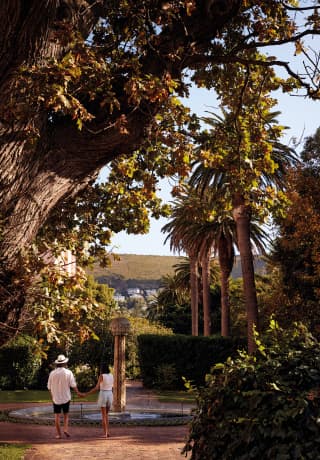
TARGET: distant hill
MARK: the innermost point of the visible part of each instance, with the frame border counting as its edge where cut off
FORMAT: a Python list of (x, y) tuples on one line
[(146, 271), (135, 271)]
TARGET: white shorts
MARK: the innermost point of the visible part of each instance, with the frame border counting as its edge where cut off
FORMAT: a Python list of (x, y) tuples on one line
[(105, 399)]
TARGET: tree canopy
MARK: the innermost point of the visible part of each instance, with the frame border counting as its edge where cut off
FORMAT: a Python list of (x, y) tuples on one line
[(87, 83)]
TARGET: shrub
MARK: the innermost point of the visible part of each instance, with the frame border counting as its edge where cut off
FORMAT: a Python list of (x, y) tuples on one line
[(261, 406), (19, 363)]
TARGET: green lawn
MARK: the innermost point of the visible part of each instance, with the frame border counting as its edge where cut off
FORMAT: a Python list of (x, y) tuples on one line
[(41, 396), (175, 397), (12, 451), (34, 396)]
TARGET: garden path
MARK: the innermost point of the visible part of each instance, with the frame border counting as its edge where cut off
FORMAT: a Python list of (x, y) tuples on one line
[(125, 443)]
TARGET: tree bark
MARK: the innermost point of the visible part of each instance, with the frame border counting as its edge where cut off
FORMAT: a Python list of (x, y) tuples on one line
[(194, 276), (225, 305), (242, 217), (205, 263), (226, 260)]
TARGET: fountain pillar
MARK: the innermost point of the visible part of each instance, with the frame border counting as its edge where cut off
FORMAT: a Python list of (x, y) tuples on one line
[(120, 327)]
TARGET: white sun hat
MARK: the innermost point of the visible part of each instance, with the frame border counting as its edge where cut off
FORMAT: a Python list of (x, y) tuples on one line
[(61, 360)]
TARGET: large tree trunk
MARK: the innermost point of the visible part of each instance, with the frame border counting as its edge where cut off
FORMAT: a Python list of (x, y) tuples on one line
[(35, 178), (242, 216), (205, 264), (226, 260)]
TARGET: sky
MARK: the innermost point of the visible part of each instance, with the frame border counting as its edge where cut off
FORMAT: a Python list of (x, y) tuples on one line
[(300, 114)]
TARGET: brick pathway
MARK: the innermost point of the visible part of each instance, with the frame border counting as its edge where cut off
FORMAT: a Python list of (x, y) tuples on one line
[(125, 443)]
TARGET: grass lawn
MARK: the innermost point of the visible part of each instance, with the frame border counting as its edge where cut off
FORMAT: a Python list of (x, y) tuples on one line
[(41, 396), (12, 451), (34, 396), (175, 397)]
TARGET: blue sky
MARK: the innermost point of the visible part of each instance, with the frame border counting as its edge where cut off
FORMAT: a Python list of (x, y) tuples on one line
[(300, 114)]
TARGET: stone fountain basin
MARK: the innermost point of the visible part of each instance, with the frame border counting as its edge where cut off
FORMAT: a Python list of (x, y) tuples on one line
[(90, 414)]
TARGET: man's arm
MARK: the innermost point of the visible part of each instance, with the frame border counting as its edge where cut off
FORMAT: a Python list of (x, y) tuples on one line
[(73, 385)]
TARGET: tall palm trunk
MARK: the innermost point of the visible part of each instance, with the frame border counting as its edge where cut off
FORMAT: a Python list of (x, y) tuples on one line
[(205, 264), (226, 259), (242, 216), (194, 294), (225, 305)]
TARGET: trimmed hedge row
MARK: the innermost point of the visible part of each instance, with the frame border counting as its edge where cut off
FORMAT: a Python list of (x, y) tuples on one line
[(165, 360)]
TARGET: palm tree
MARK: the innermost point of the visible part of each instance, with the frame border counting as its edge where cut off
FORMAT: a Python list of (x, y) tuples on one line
[(198, 238), (191, 214), (228, 179), (204, 229), (208, 274), (218, 236)]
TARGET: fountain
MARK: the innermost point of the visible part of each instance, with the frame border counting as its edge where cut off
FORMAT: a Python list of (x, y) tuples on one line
[(88, 414)]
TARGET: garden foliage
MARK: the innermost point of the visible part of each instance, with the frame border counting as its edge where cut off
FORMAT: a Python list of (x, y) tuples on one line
[(167, 360), (22, 364), (19, 363), (264, 406)]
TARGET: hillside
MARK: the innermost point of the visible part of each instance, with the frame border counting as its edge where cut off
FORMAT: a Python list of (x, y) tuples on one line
[(135, 271), (146, 271), (139, 267)]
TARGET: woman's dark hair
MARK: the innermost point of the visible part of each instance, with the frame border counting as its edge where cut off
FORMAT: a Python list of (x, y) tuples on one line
[(104, 368)]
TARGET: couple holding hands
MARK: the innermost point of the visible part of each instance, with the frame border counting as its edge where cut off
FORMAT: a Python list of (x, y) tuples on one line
[(62, 379)]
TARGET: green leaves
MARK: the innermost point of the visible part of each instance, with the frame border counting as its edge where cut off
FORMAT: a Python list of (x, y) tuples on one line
[(259, 406)]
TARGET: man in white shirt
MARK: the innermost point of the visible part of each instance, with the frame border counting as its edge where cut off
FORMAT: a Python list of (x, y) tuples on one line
[(59, 383)]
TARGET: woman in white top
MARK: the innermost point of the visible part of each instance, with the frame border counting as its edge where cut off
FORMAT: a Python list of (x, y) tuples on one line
[(105, 399)]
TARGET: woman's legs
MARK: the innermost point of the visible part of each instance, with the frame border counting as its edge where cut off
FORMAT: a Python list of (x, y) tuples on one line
[(105, 420)]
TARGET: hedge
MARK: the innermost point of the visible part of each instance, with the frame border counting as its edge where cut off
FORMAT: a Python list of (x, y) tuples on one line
[(165, 360)]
